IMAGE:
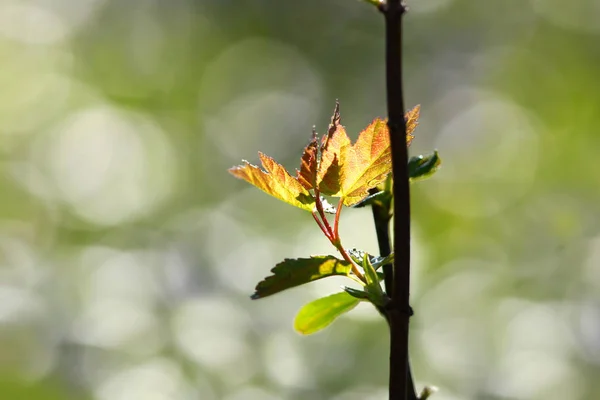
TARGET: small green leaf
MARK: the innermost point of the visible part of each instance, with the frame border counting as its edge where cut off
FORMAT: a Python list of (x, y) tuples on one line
[(358, 255), (423, 167), (318, 314), (371, 199), (373, 287), (356, 293), (379, 261), (362, 295), (295, 272), (370, 272)]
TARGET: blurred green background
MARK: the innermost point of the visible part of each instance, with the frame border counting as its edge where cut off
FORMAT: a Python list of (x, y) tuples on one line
[(127, 252)]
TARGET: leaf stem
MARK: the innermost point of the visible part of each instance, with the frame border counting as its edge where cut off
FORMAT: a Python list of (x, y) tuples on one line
[(336, 221), (319, 205), (332, 234), (323, 228), (347, 257)]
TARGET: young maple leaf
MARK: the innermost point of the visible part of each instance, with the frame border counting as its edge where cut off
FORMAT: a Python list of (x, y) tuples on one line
[(334, 149), (412, 120), (337, 169), (307, 175), (276, 181), (349, 171)]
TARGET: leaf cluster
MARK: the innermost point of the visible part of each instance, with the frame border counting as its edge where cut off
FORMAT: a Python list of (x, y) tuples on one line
[(358, 175)]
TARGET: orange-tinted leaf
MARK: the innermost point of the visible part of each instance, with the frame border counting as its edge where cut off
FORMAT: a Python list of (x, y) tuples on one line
[(276, 181), (307, 175), (412, 120), (339, 169), (333, 154), (349, 171), (368, 162)]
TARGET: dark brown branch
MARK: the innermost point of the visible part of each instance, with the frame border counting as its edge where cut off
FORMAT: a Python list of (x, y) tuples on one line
[(399, 309), (381, 218)]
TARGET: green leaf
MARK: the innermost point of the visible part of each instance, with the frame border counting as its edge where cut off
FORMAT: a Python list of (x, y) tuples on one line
[(371, 199), (318, 314), (373, 287), (295, 272), (377, 262), (362, 295), (380, 261), (356, 293), (274, 179), (423, 167), (370, 272)]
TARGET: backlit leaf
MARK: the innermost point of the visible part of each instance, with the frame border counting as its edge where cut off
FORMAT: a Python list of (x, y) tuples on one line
[(294, 272), (334, 149), (367, 163), (349, 171), (318, 314), (307, 175), (412, 120), (335, 168), (276, 181)]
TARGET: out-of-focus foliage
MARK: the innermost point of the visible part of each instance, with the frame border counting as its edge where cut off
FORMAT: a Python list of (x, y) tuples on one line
[(126, 260)]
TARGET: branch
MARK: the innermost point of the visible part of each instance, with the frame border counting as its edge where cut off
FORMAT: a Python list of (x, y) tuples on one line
[(381, 218), (399, 308)]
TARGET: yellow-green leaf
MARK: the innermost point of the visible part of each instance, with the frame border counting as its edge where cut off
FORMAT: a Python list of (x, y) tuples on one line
[(276, 181), (412, 120), (318, 314)]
